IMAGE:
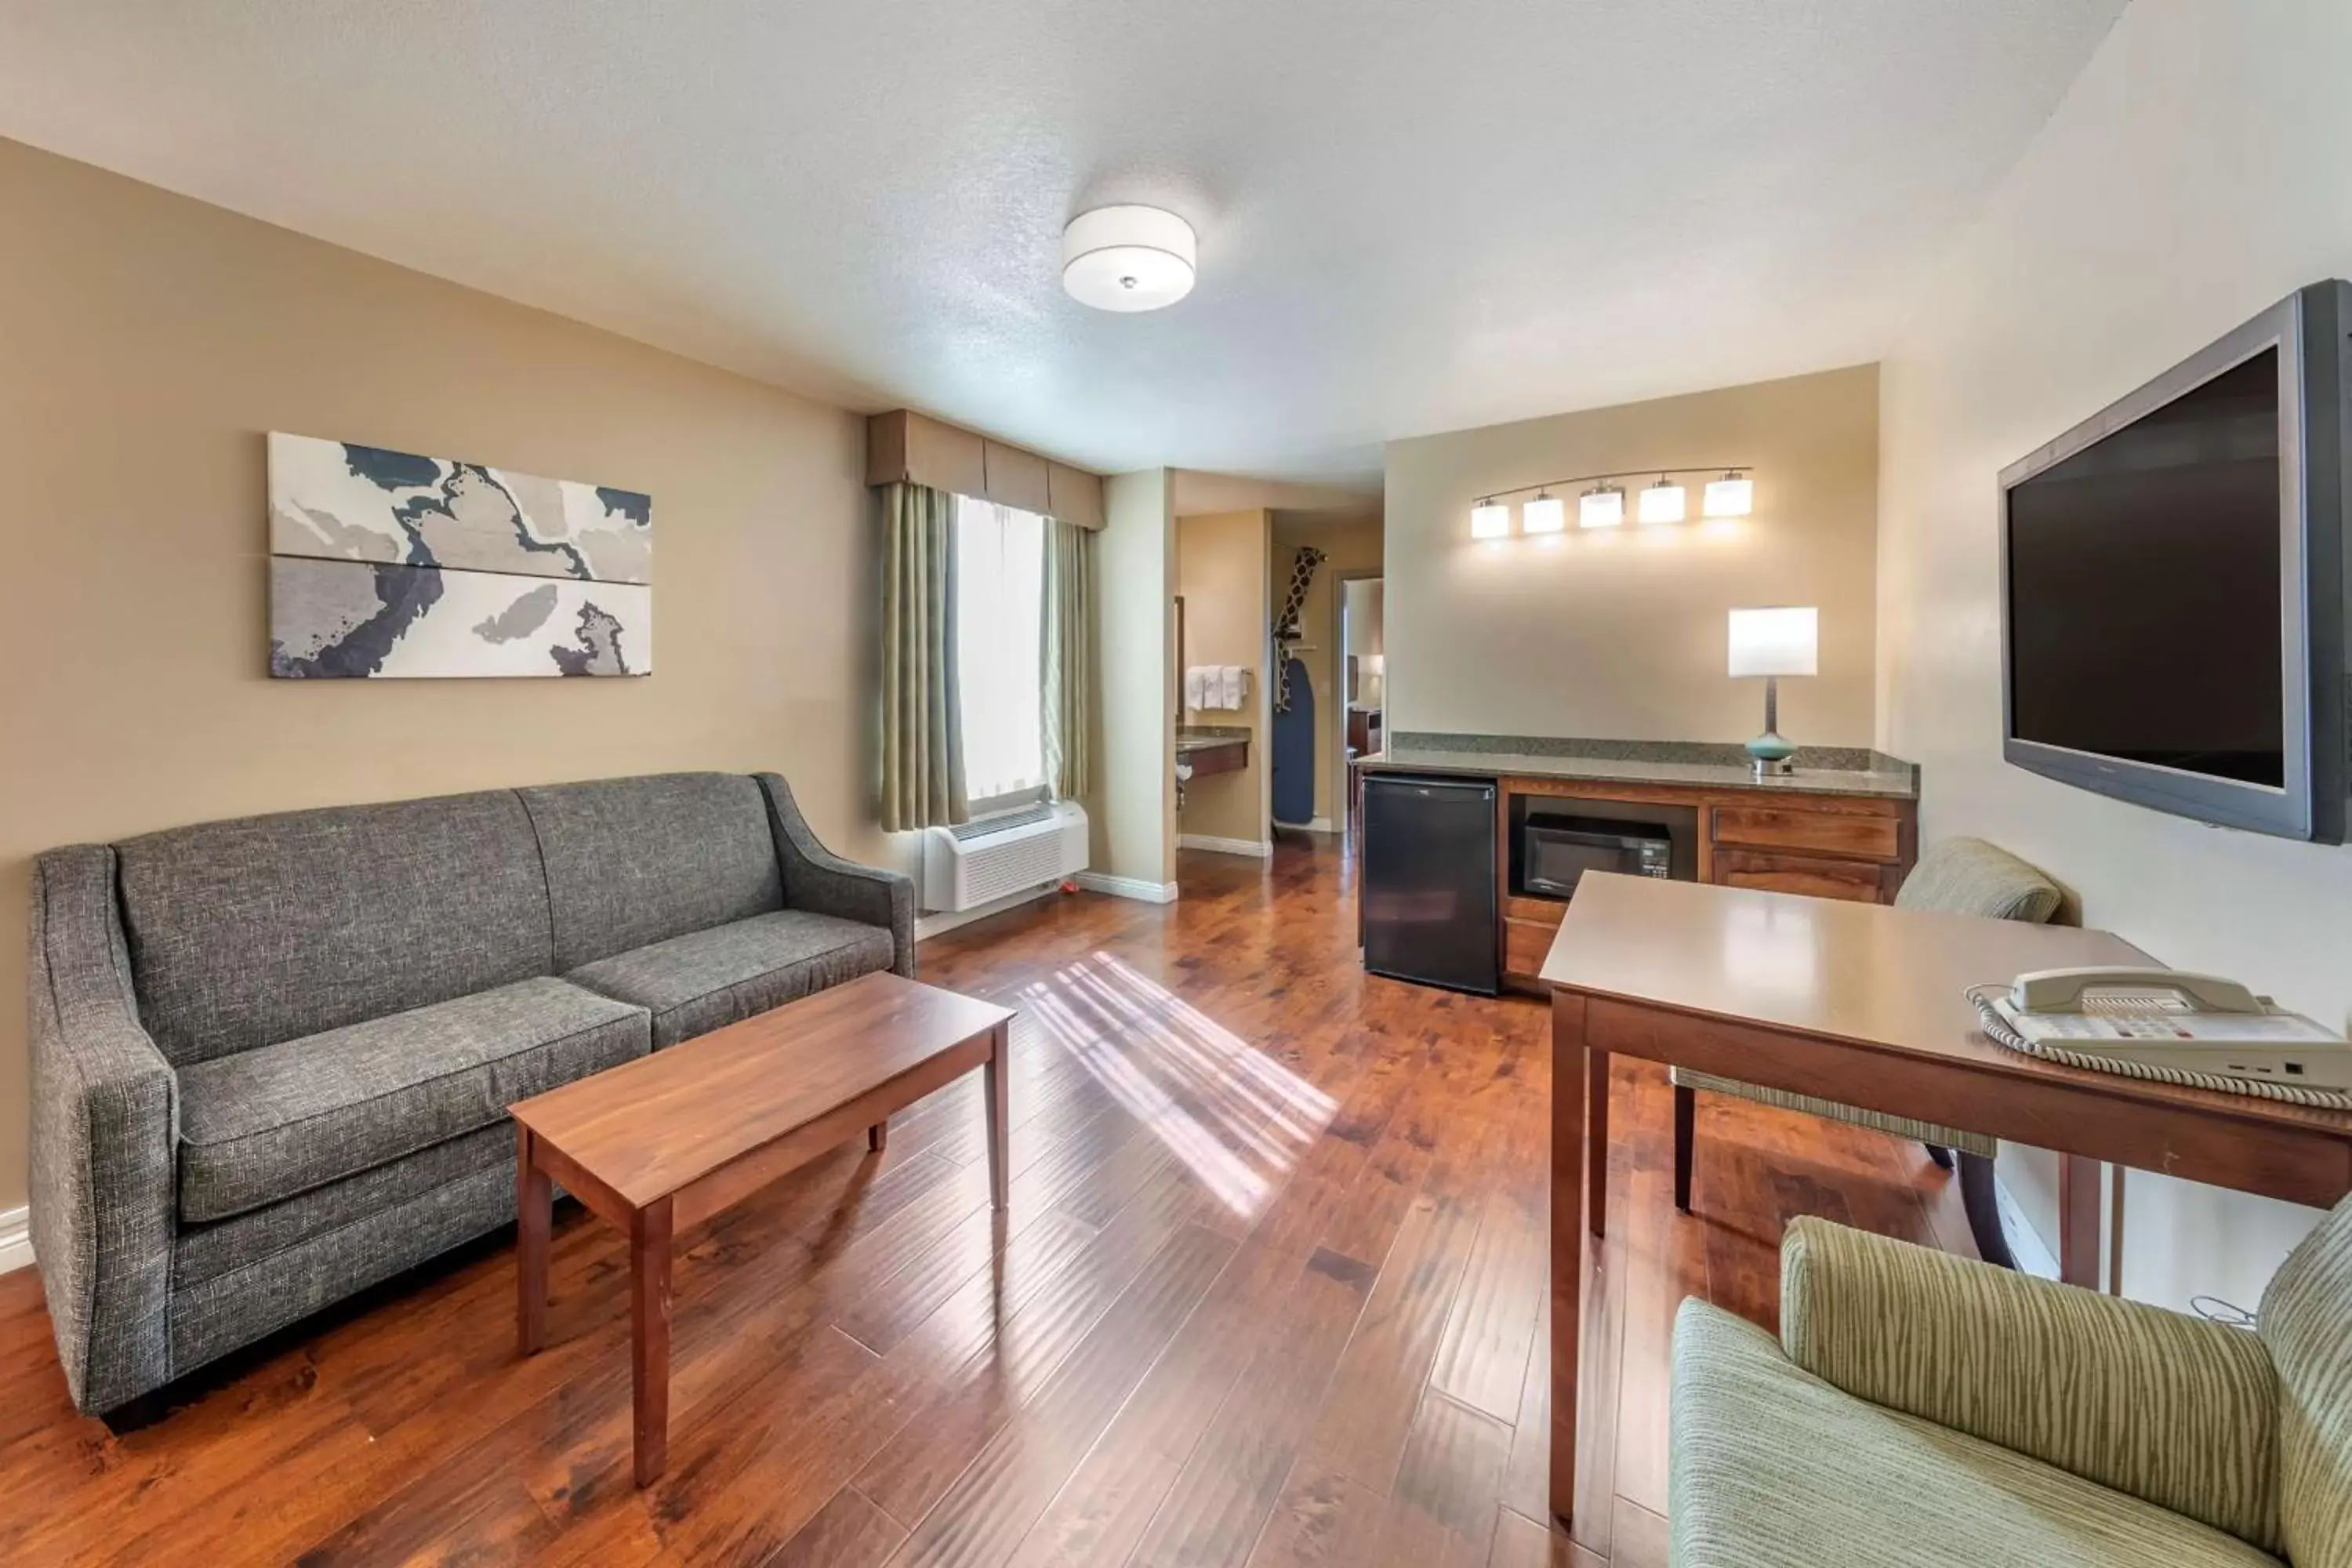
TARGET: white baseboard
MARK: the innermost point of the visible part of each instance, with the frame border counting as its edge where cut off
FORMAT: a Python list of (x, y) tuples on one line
[(15, 1240), (1321, 825), (1223, 846), (2033, 1254), (943, 920), (1128, 888)]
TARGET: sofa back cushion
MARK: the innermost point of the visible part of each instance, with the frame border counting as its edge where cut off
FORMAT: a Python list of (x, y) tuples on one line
[(638, 860), (2306, 1321), (247, 932)]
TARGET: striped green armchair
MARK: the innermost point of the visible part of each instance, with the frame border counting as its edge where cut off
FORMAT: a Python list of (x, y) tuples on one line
[(1921, 1409), (1957, 875)]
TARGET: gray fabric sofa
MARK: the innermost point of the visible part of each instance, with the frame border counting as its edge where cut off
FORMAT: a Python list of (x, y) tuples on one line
[(271, 1058)]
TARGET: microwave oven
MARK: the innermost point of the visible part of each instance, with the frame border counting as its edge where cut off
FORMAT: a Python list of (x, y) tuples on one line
[(1555, 852)]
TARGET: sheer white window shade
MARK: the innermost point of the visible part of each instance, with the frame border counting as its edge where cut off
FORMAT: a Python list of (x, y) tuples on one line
[(1000, 655)]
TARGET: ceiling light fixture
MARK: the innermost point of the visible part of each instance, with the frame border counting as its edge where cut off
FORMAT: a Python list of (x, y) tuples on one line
[(1128, 258), (1489, 519), (1664, 501), (1734, 495), (1604, 506), (1545, 514)]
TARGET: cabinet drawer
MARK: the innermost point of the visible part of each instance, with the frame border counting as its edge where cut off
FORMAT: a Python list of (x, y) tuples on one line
[(1858, 880), (1525, 945), (1829, 833)]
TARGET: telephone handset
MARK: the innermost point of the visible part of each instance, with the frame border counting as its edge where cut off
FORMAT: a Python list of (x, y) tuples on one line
[(2167, 1024), (2062, 990)]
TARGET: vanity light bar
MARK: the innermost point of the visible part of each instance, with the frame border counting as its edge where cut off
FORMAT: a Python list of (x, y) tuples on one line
[(1730, 493)]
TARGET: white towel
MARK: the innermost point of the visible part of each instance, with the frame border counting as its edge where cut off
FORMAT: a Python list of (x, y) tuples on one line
[(1233, 686), (1196, 686)]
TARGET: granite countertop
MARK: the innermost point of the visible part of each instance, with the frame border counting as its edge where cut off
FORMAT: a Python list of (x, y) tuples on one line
[(1838, 770), (1200, 737)]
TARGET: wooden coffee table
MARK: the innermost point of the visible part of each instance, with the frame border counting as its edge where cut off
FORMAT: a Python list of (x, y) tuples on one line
[(656, 1144)]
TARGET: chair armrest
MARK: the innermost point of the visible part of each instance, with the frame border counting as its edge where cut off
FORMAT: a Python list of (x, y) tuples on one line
[(104, 1121), (2174, 1410), (822, 882)]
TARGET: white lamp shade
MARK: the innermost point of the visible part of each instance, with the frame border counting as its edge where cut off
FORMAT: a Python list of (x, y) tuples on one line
[(1128, 258), (1777, 641), (1603, 507), (1545, 514), (1731, 497), (1490, 519), (1663, 503)]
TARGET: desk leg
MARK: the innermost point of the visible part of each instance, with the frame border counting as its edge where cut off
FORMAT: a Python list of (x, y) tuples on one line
[(877, 1137), (2078, 1221), (650, 1335), (1571, 1080), (995, 1075), (1596, 1140), (535, 1202)]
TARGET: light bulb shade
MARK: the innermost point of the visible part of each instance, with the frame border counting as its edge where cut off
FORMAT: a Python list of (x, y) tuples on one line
[(1776, 641), (1734, 495), (1490, 519), (1662, 502), (1545, 514), (1603, 507), (1128, 258)]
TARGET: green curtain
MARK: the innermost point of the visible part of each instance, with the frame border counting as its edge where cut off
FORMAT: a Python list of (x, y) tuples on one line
[(1069, 675), (922, 739)]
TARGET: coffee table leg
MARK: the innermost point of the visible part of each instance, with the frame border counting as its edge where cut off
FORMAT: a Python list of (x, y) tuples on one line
[(994, 1075), (877, 1137), (649, 1323), (533, 1204)]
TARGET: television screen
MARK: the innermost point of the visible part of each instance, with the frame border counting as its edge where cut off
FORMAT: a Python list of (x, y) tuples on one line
[(2144, 586)]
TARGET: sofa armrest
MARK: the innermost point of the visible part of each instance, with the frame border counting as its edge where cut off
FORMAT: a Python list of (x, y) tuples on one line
[(2174, 1410), (822, 882), (104, 1120)]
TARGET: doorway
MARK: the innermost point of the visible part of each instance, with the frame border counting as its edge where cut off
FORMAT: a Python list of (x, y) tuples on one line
[(1358, 716)]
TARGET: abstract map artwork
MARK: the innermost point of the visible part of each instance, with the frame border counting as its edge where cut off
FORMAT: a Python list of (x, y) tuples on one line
[(382, 564)]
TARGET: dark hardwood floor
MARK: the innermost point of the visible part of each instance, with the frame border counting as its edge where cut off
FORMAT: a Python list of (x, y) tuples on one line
[(1270, 1291)]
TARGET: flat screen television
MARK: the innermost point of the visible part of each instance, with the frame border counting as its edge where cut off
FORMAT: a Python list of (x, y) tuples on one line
[(2174, 589)]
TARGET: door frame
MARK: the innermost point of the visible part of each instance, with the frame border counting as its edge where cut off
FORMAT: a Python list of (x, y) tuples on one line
[(1339, 651)]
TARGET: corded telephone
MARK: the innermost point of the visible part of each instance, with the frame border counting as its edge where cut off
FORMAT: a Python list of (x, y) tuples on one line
[(2167, 1023)]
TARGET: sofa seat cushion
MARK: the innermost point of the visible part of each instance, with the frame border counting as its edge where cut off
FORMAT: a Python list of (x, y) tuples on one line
[(205, 1252), (263, 1125), (1772, 1468), (706, 979)]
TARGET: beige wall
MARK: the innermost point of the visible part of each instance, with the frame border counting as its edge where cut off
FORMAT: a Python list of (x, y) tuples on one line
[(1132, 810), (151, 342), (1353, 545), (1619, 634), (1222, 569), (2193, 176)]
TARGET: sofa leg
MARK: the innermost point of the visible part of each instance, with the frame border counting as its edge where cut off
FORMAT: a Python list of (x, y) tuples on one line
[(1941, 1155), (1686, 1131), (1983, 1210)]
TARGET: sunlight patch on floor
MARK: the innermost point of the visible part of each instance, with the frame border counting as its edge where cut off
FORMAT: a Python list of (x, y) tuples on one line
[(1237, 1118)]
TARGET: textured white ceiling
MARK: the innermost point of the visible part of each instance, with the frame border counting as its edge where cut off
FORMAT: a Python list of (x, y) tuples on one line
[(1414, 214)]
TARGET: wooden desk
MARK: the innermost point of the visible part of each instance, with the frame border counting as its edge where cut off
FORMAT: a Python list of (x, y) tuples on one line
[(1860, 1003), (659, 1143)]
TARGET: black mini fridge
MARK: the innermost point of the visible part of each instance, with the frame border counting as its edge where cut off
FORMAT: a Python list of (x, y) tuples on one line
[(1429, 894)]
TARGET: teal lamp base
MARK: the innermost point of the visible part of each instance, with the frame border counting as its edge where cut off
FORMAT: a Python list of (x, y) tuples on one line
[(1769, 755)]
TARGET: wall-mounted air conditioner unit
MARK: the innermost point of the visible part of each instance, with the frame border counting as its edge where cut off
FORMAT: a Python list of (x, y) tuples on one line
[(969, 865)]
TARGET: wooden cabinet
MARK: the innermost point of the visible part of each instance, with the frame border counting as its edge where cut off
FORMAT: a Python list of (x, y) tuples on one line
[(1774, 839), (1817, 876), (1866, 836)]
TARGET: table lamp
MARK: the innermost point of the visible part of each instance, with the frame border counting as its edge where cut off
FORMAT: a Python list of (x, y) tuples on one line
[(1774, 642)]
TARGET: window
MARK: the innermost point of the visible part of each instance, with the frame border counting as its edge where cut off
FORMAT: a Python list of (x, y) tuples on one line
[(999, 657)]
